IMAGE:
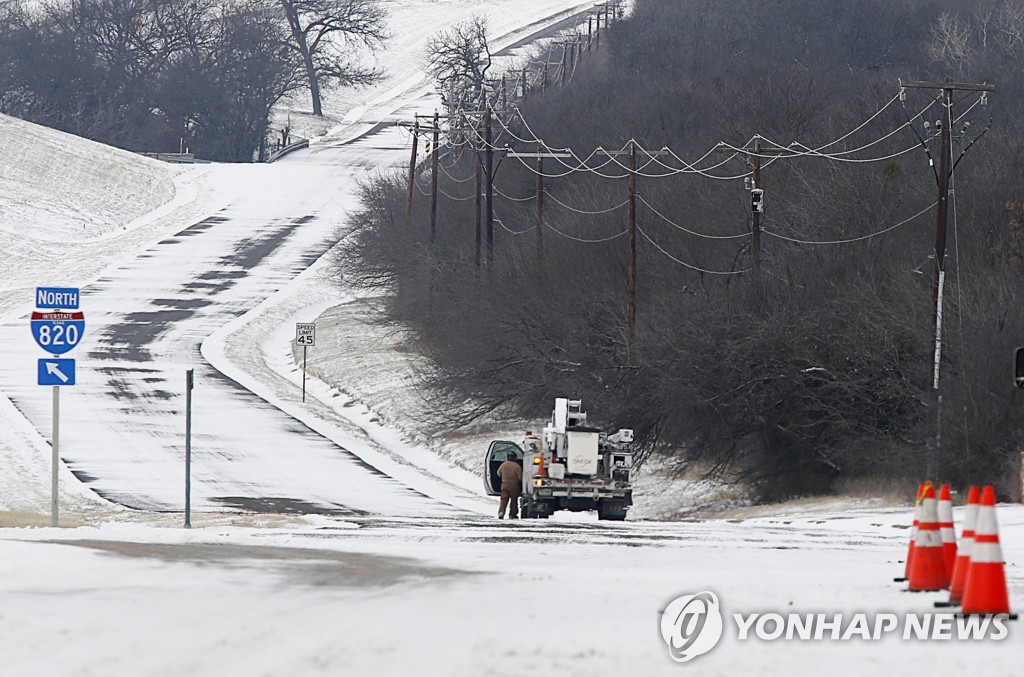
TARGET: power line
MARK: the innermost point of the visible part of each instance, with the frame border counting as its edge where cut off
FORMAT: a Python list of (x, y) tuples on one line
[(689, 265), (852, 239), (687, 230), (586, 240)]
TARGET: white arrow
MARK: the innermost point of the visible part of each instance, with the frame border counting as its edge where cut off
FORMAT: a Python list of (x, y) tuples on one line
[(54, 370)]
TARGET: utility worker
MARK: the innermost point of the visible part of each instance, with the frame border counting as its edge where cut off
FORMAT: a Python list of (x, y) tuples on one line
[(511, 474)]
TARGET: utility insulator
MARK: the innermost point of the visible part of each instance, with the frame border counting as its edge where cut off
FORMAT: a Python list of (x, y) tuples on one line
[(757, 200)]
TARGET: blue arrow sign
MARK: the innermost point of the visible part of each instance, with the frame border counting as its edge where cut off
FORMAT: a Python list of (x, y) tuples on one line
[(55, 372), (57, 332)]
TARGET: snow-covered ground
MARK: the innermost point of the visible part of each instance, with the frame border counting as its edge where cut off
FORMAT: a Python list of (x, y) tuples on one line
[(335, 536)]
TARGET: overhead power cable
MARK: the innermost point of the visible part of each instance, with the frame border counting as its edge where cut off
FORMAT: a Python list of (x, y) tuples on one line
[(689, 265), (586, 211), (852, 239), (687, 230), (585, 240)]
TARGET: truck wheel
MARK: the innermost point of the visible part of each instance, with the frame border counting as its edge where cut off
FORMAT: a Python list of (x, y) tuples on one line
[(613, 511), (526, 510)]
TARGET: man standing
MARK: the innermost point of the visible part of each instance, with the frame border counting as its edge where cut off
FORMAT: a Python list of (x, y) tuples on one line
[(511, 474)]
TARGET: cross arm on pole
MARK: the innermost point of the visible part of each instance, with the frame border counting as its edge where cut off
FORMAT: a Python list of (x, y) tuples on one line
[(963, 86)]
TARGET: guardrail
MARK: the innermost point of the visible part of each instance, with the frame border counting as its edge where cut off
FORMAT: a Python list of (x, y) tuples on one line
[(281, 152), (176, 158)]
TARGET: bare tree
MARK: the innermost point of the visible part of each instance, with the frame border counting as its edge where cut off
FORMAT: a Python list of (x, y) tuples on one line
[(459, 58), (951, 39), (1010, 27), (323, 32)]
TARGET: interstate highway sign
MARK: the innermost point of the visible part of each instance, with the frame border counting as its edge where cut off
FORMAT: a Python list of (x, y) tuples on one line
[(58, 331)]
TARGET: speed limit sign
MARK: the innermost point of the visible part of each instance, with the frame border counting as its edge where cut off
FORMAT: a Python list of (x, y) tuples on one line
[(305, 334)]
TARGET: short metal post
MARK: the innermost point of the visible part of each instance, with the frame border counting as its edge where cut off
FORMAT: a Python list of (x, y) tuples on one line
[(303, 373), (188, 448)]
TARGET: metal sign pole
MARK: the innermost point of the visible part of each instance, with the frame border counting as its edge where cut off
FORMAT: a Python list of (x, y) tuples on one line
[(303, 373), (55, 461), (188, 448)]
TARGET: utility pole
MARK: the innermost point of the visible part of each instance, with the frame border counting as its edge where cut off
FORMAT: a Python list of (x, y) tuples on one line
[(540, 190), (540, 210), (478, 166), (631, 250), (755, 151), (947, 88), (412, 170), (631, 307), (433, 177), (756, 209), (489, 177)]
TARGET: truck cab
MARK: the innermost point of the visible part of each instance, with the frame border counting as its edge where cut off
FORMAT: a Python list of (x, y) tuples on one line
[(497, 453)]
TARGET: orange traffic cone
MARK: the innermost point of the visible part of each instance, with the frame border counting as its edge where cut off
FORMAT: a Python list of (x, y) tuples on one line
[(913, 536), (985, 589), (946, 528), (928, 570), (963, 556)]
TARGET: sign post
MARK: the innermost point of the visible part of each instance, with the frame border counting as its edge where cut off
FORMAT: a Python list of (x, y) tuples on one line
[(55, 460), (305, 336), (188, 448), (57, 331)]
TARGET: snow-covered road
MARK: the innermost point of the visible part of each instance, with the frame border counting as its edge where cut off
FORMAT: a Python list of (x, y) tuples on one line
[(148, 316)]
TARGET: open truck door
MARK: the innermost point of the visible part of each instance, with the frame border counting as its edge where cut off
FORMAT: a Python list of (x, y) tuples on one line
[(497, 453)]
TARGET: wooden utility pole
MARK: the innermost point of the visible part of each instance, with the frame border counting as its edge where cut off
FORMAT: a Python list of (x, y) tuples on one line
[(631, 250), (540, 209), (478, 165), (540, 190), (489, 178), (755, 226), (755, 151), (947, 88), (412, 170), (433, 177), (631, 307)]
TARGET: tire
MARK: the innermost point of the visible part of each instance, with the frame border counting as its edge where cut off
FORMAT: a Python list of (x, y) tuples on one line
[(613, 511), (526, 510)]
